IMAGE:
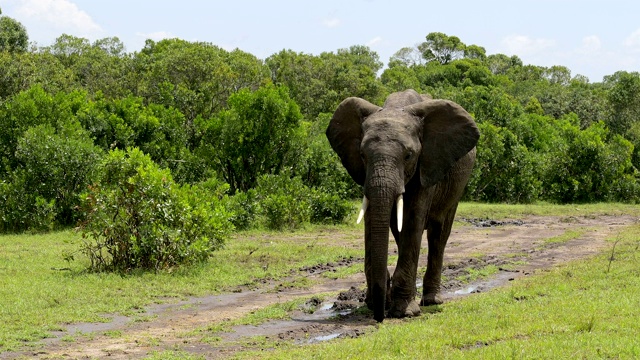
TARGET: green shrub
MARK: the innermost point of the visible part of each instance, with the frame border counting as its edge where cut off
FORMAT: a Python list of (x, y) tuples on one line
[(284, 201), (137, 217), (52, 168), (244, 208), (329, 208), (257, 135), (21, 210)]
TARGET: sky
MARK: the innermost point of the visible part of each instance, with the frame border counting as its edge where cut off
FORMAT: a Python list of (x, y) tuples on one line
[(593, 38)]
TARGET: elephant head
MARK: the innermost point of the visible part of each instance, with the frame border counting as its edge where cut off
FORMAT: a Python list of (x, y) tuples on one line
[(383, 149)]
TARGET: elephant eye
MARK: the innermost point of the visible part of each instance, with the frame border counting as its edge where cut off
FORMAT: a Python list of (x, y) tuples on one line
[(409, 155)]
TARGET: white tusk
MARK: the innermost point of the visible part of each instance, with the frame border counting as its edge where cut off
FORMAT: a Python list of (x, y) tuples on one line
[(365, 204), (399, 209)]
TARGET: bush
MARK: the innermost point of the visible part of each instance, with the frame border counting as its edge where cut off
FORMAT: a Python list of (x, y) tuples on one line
[(257, 135), (21, 210), (52, 169), (244, 208), (589, 168), (284, 201), (137, 217), (505, 170), (329, 208)]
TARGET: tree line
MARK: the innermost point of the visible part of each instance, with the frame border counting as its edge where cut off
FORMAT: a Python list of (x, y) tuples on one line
[(251, 131)]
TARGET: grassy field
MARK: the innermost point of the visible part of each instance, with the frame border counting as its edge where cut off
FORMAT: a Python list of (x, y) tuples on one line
[(40, 291), (583, 310), (588, 309)]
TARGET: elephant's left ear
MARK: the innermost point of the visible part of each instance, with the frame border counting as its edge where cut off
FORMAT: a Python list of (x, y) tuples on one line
[(449, 133)]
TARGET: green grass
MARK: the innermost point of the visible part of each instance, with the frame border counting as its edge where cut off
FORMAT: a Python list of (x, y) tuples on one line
[(174, 355), (566, 236), (577, 311), (476, 274), (344, 272), (36, 297), (506, 211)]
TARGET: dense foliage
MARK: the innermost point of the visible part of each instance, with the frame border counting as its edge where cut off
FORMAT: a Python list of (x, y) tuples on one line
[(205, 115), (138, 217)]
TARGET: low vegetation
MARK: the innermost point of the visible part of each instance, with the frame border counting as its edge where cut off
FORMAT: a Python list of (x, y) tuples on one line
[(41, 291), (580, 308)]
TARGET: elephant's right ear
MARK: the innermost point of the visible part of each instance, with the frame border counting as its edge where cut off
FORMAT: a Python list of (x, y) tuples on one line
[(345, 134)]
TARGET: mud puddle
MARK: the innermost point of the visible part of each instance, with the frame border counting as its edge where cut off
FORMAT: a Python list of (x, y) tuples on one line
[(510, 249)]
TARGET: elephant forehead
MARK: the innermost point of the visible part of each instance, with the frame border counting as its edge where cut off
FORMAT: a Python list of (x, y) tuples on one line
[(390, 124)]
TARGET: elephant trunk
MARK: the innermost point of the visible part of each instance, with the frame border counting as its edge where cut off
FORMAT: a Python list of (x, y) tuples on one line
[(379, 214), (382, 196)]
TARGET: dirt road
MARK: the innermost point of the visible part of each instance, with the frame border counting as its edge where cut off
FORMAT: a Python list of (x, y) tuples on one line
[(515, 248)]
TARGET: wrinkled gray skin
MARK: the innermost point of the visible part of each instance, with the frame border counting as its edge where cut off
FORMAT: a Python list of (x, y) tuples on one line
[(420, 148)]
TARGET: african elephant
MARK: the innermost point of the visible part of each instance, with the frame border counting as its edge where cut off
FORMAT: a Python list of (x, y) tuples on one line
[(413, 157)]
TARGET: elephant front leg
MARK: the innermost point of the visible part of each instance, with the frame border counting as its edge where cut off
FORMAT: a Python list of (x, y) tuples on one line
[(403, 283), (437, 235)]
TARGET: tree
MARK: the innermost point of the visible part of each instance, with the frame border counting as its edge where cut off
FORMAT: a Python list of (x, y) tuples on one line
[(13, 35), (408, 56), (442, 48), (319, 83), (475, 52), (256, 136), (25, 110), (69, 48), (101, 67), (303, 75), (559, 75), (499, 64), (399, 77), (20, 71), (624, 100), (351, 72), (195, 77)]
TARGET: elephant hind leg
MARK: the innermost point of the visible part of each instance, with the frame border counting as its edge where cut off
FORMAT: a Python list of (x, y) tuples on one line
[(438, 232)]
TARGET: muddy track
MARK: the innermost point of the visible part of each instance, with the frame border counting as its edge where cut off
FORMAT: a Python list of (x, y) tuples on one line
[(515, 248)]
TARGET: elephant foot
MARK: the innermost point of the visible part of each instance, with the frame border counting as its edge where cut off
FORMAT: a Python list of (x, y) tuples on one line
[(431, 299), (404, 308)]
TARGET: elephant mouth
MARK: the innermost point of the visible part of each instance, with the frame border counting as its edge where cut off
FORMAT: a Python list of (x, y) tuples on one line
[(399, 210)]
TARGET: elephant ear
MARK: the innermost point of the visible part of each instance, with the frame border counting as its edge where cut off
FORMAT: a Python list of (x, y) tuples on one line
[(345, 134), (448, 134)]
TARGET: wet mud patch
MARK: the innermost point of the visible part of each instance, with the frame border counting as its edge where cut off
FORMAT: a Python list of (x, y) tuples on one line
[(349, 300), (491, 223), (331, 266), (315, 333)]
